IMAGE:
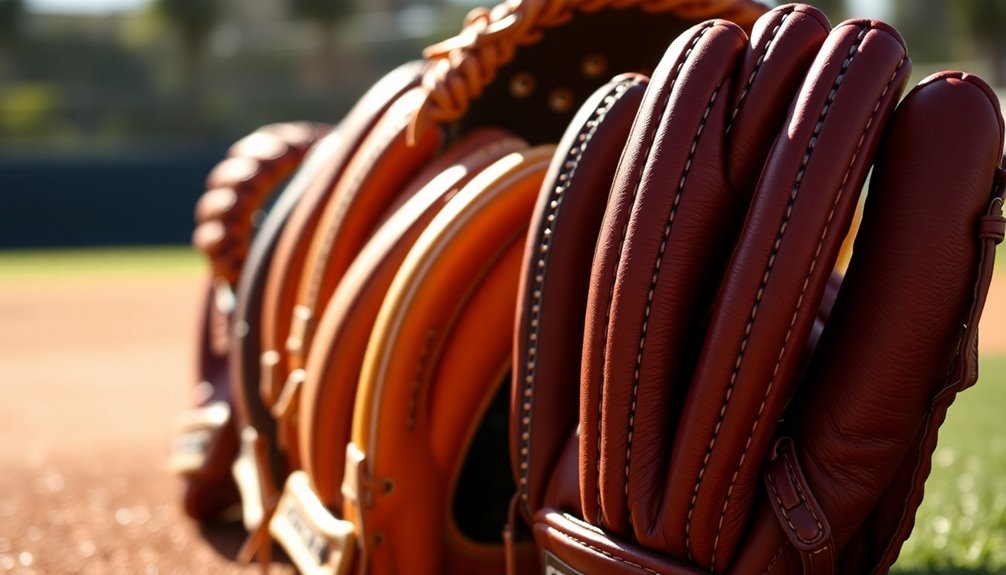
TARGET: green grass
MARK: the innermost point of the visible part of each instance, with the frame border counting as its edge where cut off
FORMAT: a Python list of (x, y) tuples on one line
[(961, 526), (100, 262)]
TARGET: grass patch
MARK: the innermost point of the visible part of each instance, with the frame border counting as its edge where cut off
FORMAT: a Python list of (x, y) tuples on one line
[(73, 264), (961, 526)]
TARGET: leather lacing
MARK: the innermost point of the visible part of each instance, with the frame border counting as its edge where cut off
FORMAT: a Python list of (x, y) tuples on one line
[(224, 213), (461, 67)]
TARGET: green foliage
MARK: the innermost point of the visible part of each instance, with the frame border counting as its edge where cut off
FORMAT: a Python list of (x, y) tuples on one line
[(961, 526)]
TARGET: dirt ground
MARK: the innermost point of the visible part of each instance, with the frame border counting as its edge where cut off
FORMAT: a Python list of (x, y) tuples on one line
[(92, 373)]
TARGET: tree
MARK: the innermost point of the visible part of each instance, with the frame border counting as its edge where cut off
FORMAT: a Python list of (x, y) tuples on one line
[(194, 21)]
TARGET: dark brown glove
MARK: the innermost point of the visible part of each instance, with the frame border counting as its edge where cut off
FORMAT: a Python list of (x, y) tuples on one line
[(673, 430)]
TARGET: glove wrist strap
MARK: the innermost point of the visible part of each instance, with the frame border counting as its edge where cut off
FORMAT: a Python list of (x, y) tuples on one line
[(799, 514)]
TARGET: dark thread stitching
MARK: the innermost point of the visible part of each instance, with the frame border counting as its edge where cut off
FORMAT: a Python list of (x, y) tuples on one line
[(607, 554), (754, 72), (417, 378), (803, 292), (545, 242), (806, 280), (618, 256), (761, 290), (682, 182)]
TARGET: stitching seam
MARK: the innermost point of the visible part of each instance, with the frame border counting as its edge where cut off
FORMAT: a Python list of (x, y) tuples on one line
[(607, 554), (545, 243), (803, 501), (761, 291), (916, 485), (417, 379), (754, 72), (803, 291), (621, 244), (653, 282)]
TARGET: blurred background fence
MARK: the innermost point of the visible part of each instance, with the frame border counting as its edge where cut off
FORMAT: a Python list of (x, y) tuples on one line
[(113, 111)]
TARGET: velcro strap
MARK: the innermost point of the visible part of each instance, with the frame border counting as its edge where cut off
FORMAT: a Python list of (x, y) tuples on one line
[(798, 512)]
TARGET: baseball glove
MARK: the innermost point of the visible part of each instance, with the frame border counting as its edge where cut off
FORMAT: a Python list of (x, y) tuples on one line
[(207, 441), (675, 407), (392, 147)]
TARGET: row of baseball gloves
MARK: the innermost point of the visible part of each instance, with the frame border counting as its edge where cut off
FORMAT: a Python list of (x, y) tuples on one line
[(559, 298)]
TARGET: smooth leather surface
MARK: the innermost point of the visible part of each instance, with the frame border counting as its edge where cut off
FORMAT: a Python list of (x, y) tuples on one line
[(333, 370), (376, 176), (826, 499), (770, 295), (440, 348), (548, 331), (292, 246), (244, 352), (323, 169), (869, 380), (664, 250)]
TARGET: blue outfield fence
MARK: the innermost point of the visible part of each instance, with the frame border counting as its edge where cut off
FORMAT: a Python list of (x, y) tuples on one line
[(143, 197)]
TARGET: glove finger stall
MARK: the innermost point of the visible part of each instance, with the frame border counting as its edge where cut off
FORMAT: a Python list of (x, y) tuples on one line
[(771, 293)]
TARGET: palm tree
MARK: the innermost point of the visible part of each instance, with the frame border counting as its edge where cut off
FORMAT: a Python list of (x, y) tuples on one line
[(194, 21)]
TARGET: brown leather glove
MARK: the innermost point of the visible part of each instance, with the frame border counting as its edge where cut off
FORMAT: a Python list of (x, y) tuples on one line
[(671, 408), (392, 144), (207, 443)]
